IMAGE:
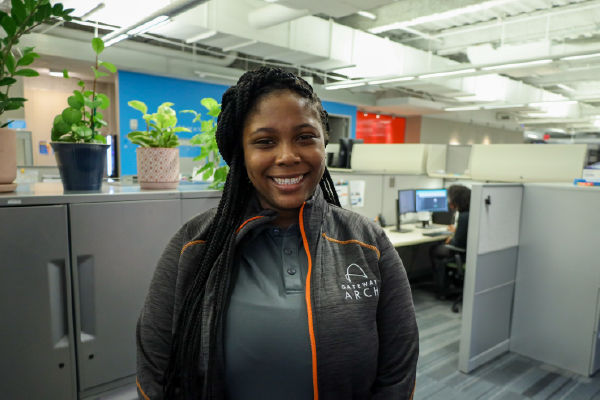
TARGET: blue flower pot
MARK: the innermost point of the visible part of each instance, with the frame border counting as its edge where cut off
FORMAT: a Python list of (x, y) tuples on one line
[(81, 165)]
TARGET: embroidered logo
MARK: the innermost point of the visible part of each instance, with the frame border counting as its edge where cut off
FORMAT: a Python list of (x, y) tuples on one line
[(361, 288), (355, 268)]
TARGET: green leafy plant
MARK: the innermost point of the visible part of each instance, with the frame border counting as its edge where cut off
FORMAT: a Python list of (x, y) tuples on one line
[(24, 17), (161, 126), (79, 123), (206, 139)]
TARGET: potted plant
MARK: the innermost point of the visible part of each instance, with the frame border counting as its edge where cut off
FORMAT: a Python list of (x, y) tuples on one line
[(23, 18), (208, 142), (158, 155), (79, 147)]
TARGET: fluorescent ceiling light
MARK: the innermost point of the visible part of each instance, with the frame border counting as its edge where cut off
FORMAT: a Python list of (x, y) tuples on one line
[(239, 45), (565, 87), (202, 74), (597, 123), (531, 136), (477, 8), (116, 40), (93, 11), (202, 36), (547, 103), (503, 106), (156, 22), (56, 73), (346, 86), (406, 78), (581, 57), (471, 108), (463, 71), (367, 15), (517, 65), (271, 1)]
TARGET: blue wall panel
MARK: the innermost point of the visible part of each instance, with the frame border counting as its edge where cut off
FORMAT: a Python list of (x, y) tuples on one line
[(185, 94)]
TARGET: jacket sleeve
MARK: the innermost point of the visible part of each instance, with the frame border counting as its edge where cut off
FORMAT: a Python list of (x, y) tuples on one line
[(154, 327), (397, 330), (462, 228)]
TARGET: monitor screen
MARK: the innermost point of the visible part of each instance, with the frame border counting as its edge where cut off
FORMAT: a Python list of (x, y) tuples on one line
[(432, 200), (406, 201)]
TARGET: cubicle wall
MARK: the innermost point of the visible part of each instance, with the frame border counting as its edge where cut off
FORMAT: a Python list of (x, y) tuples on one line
[(557, 297), (493, 244)]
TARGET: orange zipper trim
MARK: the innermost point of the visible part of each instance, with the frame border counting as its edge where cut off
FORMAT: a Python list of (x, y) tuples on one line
[(368, 246), (311, 329), (141, 391), (191, 244), (244, 224)]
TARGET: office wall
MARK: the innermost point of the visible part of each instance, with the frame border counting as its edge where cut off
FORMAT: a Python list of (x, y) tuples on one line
[(186, 94), (413, 129), (441, 131)]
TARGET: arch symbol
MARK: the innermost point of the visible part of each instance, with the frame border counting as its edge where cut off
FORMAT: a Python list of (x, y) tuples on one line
[(348, 274)]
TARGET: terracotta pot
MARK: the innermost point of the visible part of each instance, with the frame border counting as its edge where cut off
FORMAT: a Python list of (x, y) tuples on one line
[(158, 168), (8, 159)]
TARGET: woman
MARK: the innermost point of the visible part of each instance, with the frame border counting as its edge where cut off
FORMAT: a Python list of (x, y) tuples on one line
[(459, 199), (278, 293)]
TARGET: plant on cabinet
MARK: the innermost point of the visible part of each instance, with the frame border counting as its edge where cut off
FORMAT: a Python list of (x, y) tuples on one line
[(79, 146), (23, 18), (206, 139), (158, 155)]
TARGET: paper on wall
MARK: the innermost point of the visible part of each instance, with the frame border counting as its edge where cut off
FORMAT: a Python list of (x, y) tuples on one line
[(342, 191), (357, 193)]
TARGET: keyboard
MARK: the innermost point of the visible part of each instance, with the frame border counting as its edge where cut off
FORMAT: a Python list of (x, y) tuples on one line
[(444, 232)]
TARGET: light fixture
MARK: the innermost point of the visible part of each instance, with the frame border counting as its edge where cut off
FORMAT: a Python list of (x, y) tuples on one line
[(580, 57), (378, 116), (344, 86), (503, 106), (597, 123), (367, 15), (58, 74), (548, 103), (517, 65), (93, 11), (271, 1), (565, 87), (406, 78), (476, 8), (531, 136), (202, 36), (116, 40), (239, 45), (437, 74), (470, 108), (155, 23), (366, 115), (203, 74)]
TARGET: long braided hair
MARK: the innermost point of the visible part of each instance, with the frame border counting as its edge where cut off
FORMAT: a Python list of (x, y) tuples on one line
[(182, 377)]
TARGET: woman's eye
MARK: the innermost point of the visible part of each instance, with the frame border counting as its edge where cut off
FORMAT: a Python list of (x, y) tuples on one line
[(264, 142), (306, 136)]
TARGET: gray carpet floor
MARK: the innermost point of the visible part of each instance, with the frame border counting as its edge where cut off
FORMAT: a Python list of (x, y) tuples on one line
[(509, 377)]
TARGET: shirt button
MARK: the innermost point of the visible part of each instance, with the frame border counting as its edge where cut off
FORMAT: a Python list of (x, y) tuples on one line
[(288, 251), (276, 232), (291, 271)]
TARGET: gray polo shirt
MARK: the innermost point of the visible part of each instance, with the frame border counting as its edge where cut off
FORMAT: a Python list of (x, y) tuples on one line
[(267, 343)]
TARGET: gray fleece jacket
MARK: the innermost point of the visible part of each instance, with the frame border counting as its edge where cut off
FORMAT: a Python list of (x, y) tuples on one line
[(364, 336)]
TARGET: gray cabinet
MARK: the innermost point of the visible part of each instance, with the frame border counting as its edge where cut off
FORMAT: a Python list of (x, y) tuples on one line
[(36, 352), (115, 248)]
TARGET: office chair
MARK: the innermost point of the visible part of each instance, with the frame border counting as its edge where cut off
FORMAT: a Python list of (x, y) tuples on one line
[(454, 267)]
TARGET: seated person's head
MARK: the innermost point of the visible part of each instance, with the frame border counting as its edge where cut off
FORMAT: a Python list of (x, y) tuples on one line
[(459, 198)]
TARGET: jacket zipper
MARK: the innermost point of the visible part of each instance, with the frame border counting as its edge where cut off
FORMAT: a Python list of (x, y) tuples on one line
[(309, 306)]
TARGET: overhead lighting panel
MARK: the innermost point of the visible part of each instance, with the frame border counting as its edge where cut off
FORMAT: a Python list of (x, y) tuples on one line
[(367, 15), (565, 87), (155, 23), (517, 65), (548, 103), (345, 86), (406, 78), (202, 36), (470, 108), (500, 106), (439, 74), (580, 57), (116, 40)]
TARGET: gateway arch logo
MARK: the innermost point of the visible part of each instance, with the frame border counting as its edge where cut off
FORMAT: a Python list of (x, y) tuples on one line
[(355, 270)]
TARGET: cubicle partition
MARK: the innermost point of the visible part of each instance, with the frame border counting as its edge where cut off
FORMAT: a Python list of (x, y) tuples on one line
[(493, 243)]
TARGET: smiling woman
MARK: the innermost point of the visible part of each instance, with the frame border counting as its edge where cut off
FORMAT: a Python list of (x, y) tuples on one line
[(253, 300)]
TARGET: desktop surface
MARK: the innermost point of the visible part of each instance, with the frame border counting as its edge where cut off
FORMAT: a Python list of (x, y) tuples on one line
[(413, 237)]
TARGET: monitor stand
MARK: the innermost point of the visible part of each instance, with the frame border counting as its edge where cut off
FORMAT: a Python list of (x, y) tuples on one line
[(425, 225), (399, 228)]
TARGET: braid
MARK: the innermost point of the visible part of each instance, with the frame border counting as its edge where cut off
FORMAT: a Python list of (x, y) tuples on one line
[(182, 377)]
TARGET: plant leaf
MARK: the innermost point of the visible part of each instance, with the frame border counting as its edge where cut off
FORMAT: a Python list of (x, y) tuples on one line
[(98, 45), (140, 106), (215, 112), (7, 81), (27, 59), (81, 83), (98, 74), (10, 63), (71, 115), (74, 102), (57, 10), (100, 138), (105, 101), (79, 96), (209, 103), (65, 72), (181, 129), (108, 66), (18, 11), (27, 72), (189, 111)]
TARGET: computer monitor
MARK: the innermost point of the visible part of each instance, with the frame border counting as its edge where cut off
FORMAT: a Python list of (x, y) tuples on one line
[(405, 204), (432, 200), (345, 155)]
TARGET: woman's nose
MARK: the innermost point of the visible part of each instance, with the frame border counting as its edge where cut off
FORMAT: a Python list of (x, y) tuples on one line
[(287, 155)]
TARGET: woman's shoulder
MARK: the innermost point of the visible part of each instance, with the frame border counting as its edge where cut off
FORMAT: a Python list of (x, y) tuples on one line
[(197, 227), (354, 223)]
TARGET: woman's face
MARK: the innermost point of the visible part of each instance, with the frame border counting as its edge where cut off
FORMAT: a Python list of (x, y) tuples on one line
[(284, 150)]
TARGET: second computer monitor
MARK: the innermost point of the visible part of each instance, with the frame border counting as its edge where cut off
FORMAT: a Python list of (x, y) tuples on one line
[(406, 201), (432, 200)]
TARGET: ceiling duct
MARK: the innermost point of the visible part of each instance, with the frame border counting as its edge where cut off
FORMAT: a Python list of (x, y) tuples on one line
[(274, 14)]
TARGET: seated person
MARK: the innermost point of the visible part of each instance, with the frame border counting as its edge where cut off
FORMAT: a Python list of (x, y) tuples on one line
[(459, 199)]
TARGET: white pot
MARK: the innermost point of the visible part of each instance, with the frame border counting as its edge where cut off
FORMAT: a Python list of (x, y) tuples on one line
[(8, 159), (158, 168)]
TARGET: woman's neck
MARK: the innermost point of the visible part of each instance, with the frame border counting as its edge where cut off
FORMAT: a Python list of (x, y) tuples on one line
[(287, 218)]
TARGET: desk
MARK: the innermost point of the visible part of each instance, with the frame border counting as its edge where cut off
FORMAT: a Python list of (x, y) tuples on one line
[(415, 237), (413, 248)]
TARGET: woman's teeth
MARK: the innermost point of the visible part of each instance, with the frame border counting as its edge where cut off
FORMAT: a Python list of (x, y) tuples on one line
[(288, 181)]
